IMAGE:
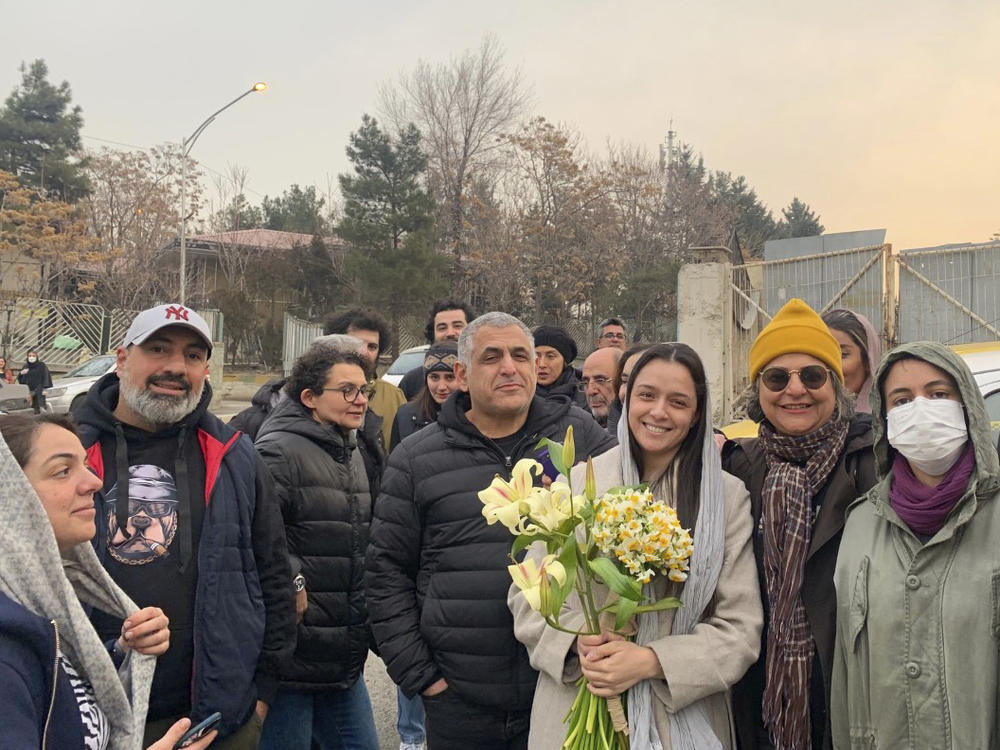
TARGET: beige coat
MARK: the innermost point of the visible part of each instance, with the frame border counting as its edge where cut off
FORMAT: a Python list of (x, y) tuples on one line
[(701, 665)]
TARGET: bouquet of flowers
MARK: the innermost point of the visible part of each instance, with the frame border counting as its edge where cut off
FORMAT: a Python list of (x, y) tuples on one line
[(622, 539)]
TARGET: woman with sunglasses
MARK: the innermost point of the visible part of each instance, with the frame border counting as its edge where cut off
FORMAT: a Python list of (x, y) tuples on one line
[(309, 443), (918, 605), (812, 458), (60, 686), (682, 663)]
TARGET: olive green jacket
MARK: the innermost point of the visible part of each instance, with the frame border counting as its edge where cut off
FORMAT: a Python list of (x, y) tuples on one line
[(915, 661)]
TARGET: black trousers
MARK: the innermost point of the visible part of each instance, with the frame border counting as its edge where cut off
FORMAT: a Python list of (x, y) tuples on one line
[(455, 724)]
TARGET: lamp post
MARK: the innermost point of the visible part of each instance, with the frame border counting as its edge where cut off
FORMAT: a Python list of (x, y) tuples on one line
[(186, 145)]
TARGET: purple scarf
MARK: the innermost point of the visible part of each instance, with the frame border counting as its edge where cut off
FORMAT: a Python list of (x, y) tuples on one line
[(923, 508)]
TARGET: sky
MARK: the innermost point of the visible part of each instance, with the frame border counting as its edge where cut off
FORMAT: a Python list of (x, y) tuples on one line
[(875, 114)]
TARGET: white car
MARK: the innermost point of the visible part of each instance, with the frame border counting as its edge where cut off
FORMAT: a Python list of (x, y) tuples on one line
[(71, 389), (406, 361)]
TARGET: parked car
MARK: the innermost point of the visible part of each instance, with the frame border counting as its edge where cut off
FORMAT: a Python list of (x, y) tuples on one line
[(406, 361), (69, 390), (984, 361), (14, 398)]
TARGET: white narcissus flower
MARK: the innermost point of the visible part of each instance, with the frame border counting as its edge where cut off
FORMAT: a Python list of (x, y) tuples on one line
[(528, 577), (505, 501)]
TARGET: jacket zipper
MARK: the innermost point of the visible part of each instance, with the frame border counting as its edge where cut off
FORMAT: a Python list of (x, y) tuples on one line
[(55, 676)]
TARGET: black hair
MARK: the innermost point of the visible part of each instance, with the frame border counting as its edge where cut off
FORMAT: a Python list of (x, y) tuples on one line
[(19, 430), (633, 350), (847, 322), (610, 322), (311, 370), (360, 320), (686, 463), (441, 306)]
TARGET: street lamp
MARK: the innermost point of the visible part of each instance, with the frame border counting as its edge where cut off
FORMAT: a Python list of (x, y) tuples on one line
[(186, 145)]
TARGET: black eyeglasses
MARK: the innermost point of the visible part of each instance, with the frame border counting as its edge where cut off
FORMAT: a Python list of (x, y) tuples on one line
[(777, 378), (614, 336), (597, 380), (350, 392)]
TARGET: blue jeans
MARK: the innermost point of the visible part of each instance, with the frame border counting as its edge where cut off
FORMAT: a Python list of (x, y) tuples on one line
[(409, 718), (335, 719)]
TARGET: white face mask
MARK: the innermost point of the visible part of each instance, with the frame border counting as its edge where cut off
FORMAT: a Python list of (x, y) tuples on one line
[(32, 359), (930, 433)]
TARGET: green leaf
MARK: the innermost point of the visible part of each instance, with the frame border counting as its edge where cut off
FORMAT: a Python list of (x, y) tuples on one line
[(521, 542), (626, 608), (560, 593), (614, 579), (555, 454), (668, 602)]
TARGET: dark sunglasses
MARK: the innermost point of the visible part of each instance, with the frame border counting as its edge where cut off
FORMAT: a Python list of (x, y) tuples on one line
[(812, 377)]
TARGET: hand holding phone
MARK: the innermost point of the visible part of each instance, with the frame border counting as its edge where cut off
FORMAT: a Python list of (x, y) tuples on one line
[(198, 731)]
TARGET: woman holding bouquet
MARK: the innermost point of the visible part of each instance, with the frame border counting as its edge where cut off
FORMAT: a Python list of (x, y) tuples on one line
[(678, 668), (812, 458)]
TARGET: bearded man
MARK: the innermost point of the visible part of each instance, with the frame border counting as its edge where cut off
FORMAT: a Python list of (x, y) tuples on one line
[(188, 523)]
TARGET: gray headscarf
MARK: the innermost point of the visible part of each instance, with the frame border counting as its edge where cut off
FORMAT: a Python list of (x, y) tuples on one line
[(690, 728), (33, 573)]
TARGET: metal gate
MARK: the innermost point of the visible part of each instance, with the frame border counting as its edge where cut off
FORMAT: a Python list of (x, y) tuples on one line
[(855, 279), (298, 335), (948, 294)]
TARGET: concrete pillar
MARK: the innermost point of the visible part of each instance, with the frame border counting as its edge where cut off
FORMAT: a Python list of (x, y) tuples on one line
[(703, 315)]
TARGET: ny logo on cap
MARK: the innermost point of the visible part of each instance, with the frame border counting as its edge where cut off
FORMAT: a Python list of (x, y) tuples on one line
[(178, 312)]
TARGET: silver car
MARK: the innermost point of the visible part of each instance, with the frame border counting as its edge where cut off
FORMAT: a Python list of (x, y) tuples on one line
[(71, 389)]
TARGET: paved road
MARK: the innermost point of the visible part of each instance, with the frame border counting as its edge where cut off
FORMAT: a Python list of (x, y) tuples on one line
[(380, 688)]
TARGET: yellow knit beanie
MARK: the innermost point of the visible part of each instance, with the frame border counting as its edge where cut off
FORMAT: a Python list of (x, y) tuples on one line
[(795, 329)]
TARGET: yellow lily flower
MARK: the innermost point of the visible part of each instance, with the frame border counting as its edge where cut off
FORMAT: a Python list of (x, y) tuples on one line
[(549, 508), (505, 501), (528, 577)]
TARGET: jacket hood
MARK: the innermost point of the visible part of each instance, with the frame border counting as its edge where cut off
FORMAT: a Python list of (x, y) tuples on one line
[(977, 420), (541, 413), (291, 416), (564, 385), (268, 394)]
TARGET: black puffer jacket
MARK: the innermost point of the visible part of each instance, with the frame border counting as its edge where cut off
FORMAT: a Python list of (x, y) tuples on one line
[(437, 573), (321, 484), (565, 385), (409, 418), (370, 440)]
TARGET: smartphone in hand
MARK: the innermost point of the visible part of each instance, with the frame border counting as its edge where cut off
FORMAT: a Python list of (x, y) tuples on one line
[(198, 731), (542, 456)]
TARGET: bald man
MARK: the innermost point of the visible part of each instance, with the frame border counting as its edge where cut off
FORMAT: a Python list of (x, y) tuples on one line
[(599, 382)]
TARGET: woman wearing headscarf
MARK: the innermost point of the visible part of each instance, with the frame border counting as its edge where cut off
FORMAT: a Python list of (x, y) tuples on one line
[(812, 458), (860, 352), (35, 374), (918, 600), (60, 687), (680, 667), (555, 351)]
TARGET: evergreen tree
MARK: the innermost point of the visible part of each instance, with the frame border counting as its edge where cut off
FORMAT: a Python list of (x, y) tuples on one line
[(748, 216), (295, 210), (40, 136), (388, 224), (799, 221)]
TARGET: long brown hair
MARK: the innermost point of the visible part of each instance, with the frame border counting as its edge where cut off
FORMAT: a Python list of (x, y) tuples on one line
[(686, 463)]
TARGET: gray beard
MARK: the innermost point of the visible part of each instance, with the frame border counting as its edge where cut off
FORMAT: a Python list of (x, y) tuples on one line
[(156, 408)]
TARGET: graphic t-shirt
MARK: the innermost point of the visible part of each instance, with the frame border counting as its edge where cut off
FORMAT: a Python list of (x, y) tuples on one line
[(144, 556)]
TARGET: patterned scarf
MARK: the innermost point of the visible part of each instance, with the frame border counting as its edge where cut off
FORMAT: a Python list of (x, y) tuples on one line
[(796, 469)]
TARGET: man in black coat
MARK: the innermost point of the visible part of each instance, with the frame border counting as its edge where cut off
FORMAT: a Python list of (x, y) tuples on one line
[(437, 577)]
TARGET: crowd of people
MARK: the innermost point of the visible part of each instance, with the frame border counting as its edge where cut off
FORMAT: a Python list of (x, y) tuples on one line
[(161, 568)]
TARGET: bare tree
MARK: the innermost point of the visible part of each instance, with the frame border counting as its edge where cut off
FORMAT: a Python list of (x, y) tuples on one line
[(461, 107), (132, 212)]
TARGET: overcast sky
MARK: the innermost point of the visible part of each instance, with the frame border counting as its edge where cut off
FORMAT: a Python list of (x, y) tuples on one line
[(876, 114)]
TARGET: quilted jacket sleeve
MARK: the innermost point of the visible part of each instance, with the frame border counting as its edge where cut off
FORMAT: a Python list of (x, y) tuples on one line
[(391, 580)]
